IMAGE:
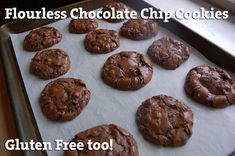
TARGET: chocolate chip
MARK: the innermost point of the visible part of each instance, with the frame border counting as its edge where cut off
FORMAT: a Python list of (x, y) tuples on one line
[(127, 70), (139, 29), (123, 142), (165, 121), (80, 26), (210, 86), (41, 38), (102, 41), (50, 63), (168, 52), (64, 99)]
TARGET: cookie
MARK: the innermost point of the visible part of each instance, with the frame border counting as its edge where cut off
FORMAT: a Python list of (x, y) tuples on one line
[(64, 99), (50, 63), (102, 41), (139, 29), (210, 86), (118, 7), (168, 53), (123, 142), (79, 26), (41, 38), (165, 121), (127, 70)]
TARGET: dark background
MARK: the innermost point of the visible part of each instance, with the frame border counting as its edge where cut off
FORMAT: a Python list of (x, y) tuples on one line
[(30, 5)]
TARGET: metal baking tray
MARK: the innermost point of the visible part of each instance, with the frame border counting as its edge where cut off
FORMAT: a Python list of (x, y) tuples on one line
[(26, 124)]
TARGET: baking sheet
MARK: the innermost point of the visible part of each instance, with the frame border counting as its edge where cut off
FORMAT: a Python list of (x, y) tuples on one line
[(213, 131)]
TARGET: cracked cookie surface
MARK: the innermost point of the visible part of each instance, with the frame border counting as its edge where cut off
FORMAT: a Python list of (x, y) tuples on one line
[(102, 41), (168, 52), (118, 6), (64, 99), (80, 26), (123, 142), (127, 70), (165, 121), (139, 29), (210, 86), (50, 63), (41, 38)]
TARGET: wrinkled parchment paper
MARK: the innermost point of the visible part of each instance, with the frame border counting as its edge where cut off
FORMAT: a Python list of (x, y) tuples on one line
[(213, 131)]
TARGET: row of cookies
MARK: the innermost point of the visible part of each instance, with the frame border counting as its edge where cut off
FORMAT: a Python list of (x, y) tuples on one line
[(162, 120), (167, 52)]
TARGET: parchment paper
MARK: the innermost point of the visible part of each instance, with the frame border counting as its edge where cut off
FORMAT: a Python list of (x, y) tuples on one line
[(213, 130)]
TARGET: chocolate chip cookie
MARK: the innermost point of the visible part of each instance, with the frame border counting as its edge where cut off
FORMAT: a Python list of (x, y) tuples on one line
[(210, 86), (168, 52), (50, 63), (64, 99), (127, 70), (118, 7), (80, 26), (41, 38), (123, 142), (165, 121), (102, 41), (139, 29)]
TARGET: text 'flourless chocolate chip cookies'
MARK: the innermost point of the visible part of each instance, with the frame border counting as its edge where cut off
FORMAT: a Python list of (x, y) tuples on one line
[(41, 38), (80, 26), (165, 121), (102, 41), (50, 63), (123, 142), (64, 99), (139, 29), (210, 86), (168, 53), (127, 70)]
